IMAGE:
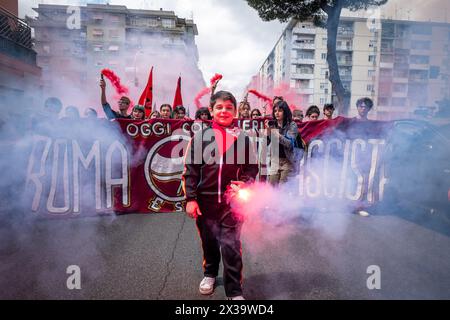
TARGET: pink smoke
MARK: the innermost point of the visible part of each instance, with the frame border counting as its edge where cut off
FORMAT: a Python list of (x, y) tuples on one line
[(200, 95), (294, 99), (115, 81), (260, 95), (289, 95)]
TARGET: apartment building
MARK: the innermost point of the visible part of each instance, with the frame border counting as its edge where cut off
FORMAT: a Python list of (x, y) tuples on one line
[(401, 65), (128, 41)]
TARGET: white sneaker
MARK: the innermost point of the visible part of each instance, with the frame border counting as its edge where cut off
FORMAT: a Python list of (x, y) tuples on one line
[(236, 298), (363, 213), (207, 285)]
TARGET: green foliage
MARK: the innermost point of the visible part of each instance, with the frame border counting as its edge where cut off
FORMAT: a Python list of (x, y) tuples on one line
[(302, 10)]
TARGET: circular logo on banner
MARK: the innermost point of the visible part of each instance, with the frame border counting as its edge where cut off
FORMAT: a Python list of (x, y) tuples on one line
[(164, 166)]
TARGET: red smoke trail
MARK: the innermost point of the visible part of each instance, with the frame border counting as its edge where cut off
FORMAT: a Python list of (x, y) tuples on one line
[(215, 78), (262, 97), (200, 95), (289, 95), (115, 81)]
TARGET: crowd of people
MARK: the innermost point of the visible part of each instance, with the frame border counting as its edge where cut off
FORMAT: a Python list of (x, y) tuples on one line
[(53, 107), (244, 110), (218, 228)]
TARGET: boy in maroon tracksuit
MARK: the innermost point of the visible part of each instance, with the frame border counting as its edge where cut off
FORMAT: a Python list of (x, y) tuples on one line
[(219, 159)]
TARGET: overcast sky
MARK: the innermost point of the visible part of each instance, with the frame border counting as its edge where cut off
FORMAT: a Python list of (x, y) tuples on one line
[(234, 41)]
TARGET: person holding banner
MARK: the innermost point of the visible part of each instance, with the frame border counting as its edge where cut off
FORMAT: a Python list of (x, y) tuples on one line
[(363, 106), (209, 178), (284, 164), (165, 111), (138, 113)]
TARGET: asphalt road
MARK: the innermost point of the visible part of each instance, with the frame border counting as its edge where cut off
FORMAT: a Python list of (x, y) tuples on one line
[(137, 256)]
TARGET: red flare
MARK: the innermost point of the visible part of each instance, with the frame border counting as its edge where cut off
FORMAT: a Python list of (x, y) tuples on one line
[(217, 77), (115, 81), (200, 95), (261, 96)]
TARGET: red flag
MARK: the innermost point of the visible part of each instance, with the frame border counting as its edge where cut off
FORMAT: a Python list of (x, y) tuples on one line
[(178, 100), (146, 98)]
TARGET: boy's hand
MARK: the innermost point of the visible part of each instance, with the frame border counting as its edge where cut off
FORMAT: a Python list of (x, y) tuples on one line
[(102, 84), (233, 189), (192, 209), (237, 184)]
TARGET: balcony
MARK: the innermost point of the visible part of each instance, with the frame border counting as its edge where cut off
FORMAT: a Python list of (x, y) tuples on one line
[(345, 62), (419, 66), (15, 38), (345, 77), (399, 94), (398, 79), (345, 33), (305, 90), (298, 30), (387, 65), (302, 61), (418, 79), (302, 76), (305, 46), (344, 48)]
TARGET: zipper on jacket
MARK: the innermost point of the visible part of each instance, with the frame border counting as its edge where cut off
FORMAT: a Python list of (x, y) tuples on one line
[(220, 179)]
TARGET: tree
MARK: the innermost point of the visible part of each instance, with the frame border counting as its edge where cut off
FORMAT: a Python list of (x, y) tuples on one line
[(325, 14)]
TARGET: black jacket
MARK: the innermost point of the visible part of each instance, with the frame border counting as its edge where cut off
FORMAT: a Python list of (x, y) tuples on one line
[(206, 174)]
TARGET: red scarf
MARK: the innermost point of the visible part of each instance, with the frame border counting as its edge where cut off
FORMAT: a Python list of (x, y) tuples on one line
[(225, 137)]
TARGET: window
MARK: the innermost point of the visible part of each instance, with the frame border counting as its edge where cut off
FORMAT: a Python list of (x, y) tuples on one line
[(114, 34), (399, 87), (399, 102), (420, 59), (98, 48), (434, 72), (385, 72), (421, 45), (371, 73), (324, 56), (372, 58), (422, 29), (152, 22), (383, 101), (370, 88), (293, 84), (168, 23), (323, 85), (401, 73), (115, 19), (324, 41), (387, 58), (97, 33), (322, 101)]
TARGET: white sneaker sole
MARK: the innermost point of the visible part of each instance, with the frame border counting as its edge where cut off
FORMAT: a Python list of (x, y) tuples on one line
[(206, 291)]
